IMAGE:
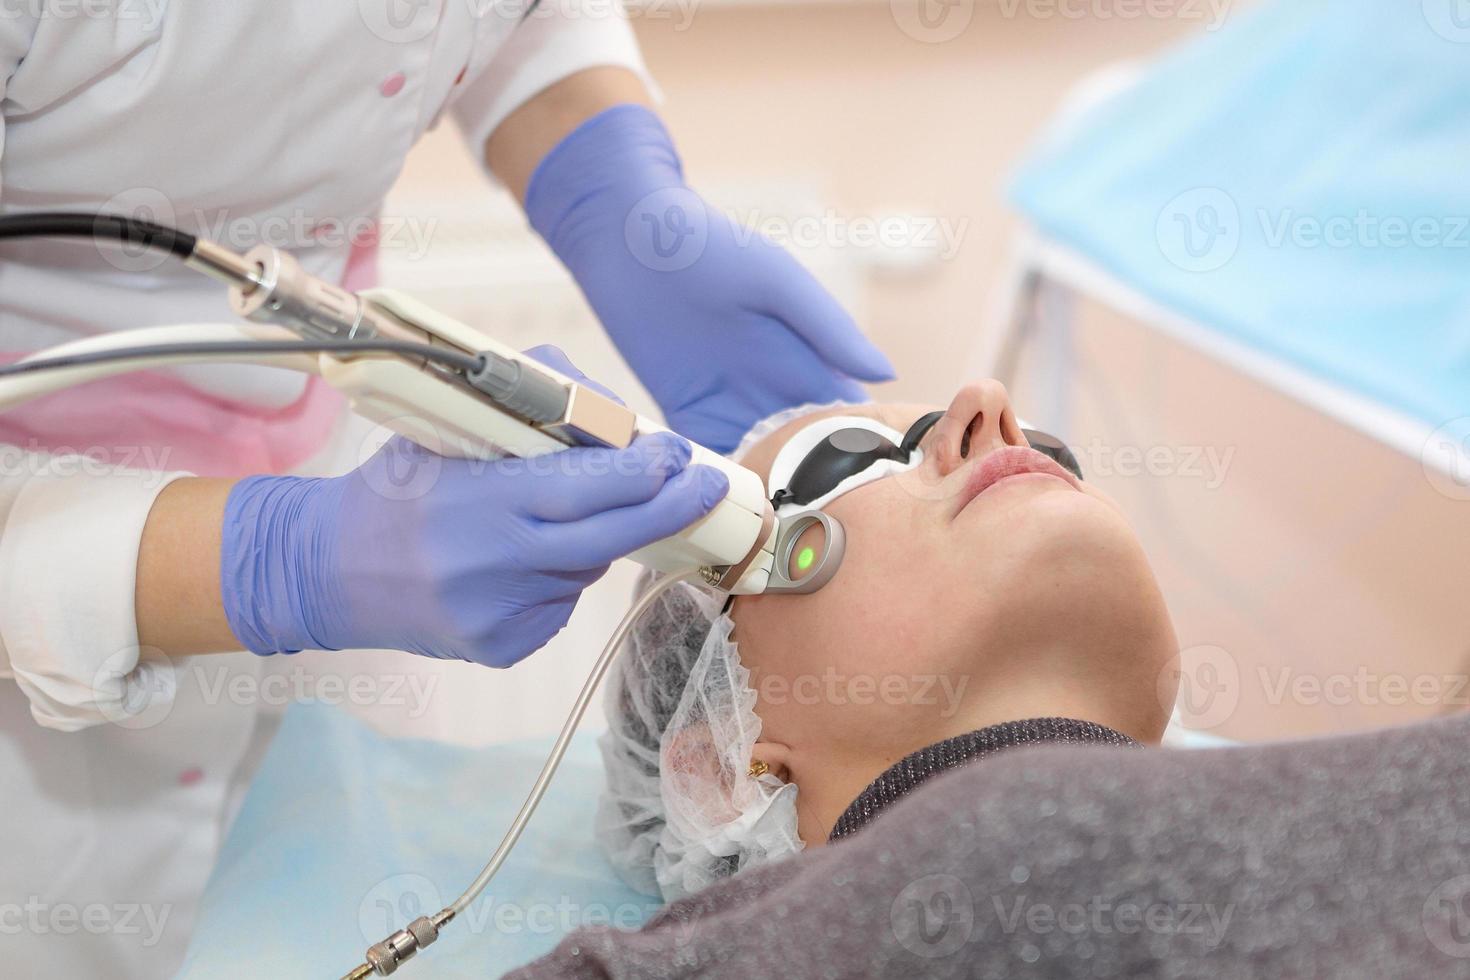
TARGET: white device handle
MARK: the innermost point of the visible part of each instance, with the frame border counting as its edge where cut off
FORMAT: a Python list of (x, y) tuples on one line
[(453, 422)]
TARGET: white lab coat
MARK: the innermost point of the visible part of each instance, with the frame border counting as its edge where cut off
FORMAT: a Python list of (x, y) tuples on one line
[(237, 120)]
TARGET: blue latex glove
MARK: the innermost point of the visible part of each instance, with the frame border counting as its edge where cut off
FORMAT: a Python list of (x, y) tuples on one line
[(722, 326), (447, 558)]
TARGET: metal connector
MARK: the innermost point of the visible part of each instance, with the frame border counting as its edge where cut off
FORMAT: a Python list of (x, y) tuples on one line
[(385, 957), (270, 286), (284, 293), (223, 265)]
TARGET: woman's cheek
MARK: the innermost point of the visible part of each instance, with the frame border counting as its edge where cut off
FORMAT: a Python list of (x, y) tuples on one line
[(851, 618)]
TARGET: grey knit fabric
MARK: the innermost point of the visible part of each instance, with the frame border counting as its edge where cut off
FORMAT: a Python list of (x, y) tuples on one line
[(917, 768), (1343, 857)]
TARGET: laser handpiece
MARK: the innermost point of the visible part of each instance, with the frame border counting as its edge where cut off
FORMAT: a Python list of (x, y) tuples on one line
[(513, 406), (420, 373)]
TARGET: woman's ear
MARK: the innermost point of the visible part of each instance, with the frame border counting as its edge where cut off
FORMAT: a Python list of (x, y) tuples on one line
[(776, 758)]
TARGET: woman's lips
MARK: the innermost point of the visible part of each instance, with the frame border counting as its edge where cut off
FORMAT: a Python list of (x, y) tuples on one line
[(1002, 464)]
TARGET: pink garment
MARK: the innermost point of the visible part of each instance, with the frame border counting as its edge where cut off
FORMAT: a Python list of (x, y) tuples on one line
[(152, 420)]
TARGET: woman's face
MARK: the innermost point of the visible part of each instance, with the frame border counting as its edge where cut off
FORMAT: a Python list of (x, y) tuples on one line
[(964, 579)]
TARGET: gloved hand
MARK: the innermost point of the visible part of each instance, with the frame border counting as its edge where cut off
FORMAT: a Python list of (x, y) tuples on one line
[(447, 558), (722, 326)]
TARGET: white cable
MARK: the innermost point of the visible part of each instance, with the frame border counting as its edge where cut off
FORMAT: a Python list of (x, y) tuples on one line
[(533, 799), (405, 943), (24, 387)]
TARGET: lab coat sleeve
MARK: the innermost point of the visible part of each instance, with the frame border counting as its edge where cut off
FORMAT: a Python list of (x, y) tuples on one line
[(69, 535), (554, 41)]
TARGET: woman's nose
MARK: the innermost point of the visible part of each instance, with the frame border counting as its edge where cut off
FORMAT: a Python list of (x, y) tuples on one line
[(978, 420)]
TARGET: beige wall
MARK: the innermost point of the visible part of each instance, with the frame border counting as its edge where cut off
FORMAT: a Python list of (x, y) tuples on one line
[(838, 94), (836, 97)]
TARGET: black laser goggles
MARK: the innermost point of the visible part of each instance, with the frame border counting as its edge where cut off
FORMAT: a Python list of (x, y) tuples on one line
[(810, 544), (850, 451)]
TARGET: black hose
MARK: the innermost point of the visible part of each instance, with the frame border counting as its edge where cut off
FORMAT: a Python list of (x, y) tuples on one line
[(110, 227)]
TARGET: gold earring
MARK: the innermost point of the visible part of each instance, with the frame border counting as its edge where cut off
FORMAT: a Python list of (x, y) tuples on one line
[(758, 769)]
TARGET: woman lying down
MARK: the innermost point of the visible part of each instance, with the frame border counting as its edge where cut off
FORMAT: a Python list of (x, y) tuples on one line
[(988, 597), (933, 765)]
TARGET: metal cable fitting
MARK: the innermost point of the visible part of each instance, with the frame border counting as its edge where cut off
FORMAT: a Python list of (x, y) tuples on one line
[(385, 957)]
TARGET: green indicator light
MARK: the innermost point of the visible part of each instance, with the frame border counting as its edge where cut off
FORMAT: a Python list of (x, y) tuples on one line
[(805, 557)]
